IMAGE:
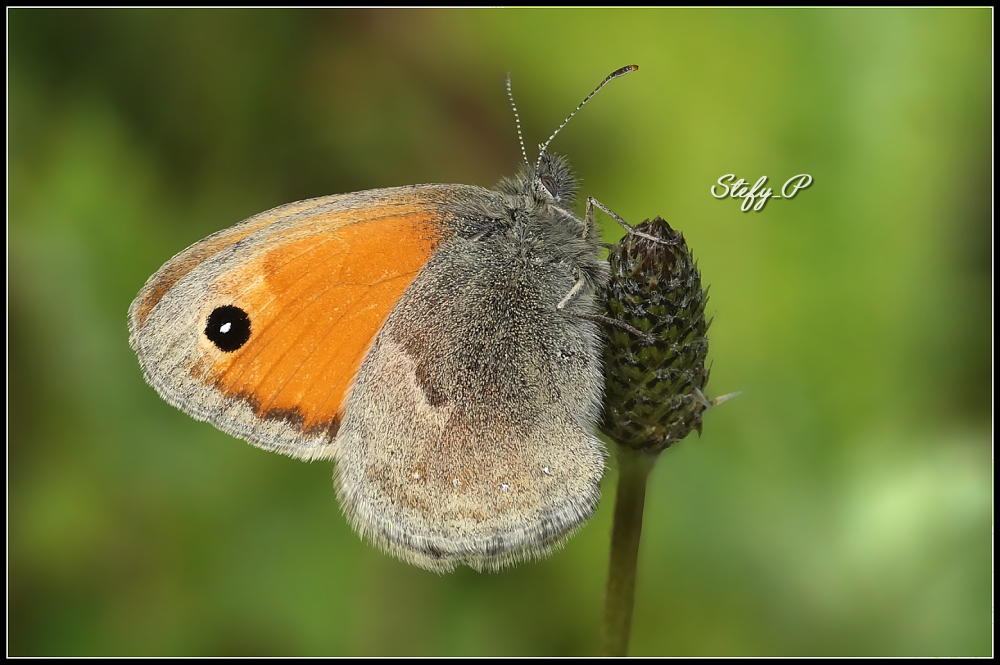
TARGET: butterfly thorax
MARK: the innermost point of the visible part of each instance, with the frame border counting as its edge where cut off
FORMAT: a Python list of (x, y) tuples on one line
[(543, 224)]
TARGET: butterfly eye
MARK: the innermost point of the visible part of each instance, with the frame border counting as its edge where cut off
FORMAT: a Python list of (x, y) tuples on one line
[(228, 328), (550, 184)]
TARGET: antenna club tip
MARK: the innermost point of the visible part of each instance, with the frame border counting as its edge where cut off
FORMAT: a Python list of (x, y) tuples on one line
[(628, 69)]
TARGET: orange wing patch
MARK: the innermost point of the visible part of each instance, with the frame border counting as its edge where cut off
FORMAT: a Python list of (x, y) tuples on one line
[(178, 267), (316, 300)]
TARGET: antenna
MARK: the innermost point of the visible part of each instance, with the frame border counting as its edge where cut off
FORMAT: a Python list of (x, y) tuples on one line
[(517, 120), (613, 75)]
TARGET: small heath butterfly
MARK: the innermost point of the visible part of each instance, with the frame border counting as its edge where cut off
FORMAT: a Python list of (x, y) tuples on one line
[(437, 342)]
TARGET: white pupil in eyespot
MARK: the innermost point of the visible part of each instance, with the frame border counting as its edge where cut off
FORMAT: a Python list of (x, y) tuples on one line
[(224, 328)]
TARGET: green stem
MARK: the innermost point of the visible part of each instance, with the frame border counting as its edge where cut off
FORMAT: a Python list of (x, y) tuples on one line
[(619, 598)]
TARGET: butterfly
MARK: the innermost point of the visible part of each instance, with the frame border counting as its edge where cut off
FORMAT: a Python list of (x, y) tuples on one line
[(439, 343)]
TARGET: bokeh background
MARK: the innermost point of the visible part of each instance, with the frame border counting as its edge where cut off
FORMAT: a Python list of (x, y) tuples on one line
[(841, 506)]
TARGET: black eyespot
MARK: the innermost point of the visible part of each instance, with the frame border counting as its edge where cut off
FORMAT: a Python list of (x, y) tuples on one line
[(550, 184), (228, 328)]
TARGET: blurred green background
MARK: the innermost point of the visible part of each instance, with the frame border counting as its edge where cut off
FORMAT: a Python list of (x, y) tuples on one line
[(841, 506)]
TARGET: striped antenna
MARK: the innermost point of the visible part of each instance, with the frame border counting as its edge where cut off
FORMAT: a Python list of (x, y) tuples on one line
[(613, 75), (517, 120)]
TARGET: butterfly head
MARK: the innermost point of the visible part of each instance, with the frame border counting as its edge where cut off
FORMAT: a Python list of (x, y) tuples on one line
[(550, 179)]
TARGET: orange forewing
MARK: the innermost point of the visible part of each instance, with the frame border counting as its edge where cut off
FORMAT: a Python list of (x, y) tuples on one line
[(315, 305), (182, 264)]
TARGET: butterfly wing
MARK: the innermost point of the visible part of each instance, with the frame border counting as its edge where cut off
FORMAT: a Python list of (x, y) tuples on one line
[(468, 436), (314, 280), (397, 332)]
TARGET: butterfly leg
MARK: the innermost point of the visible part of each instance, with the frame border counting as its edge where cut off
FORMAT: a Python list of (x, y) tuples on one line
[(594, 203), (597, 318), (573, 291)]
